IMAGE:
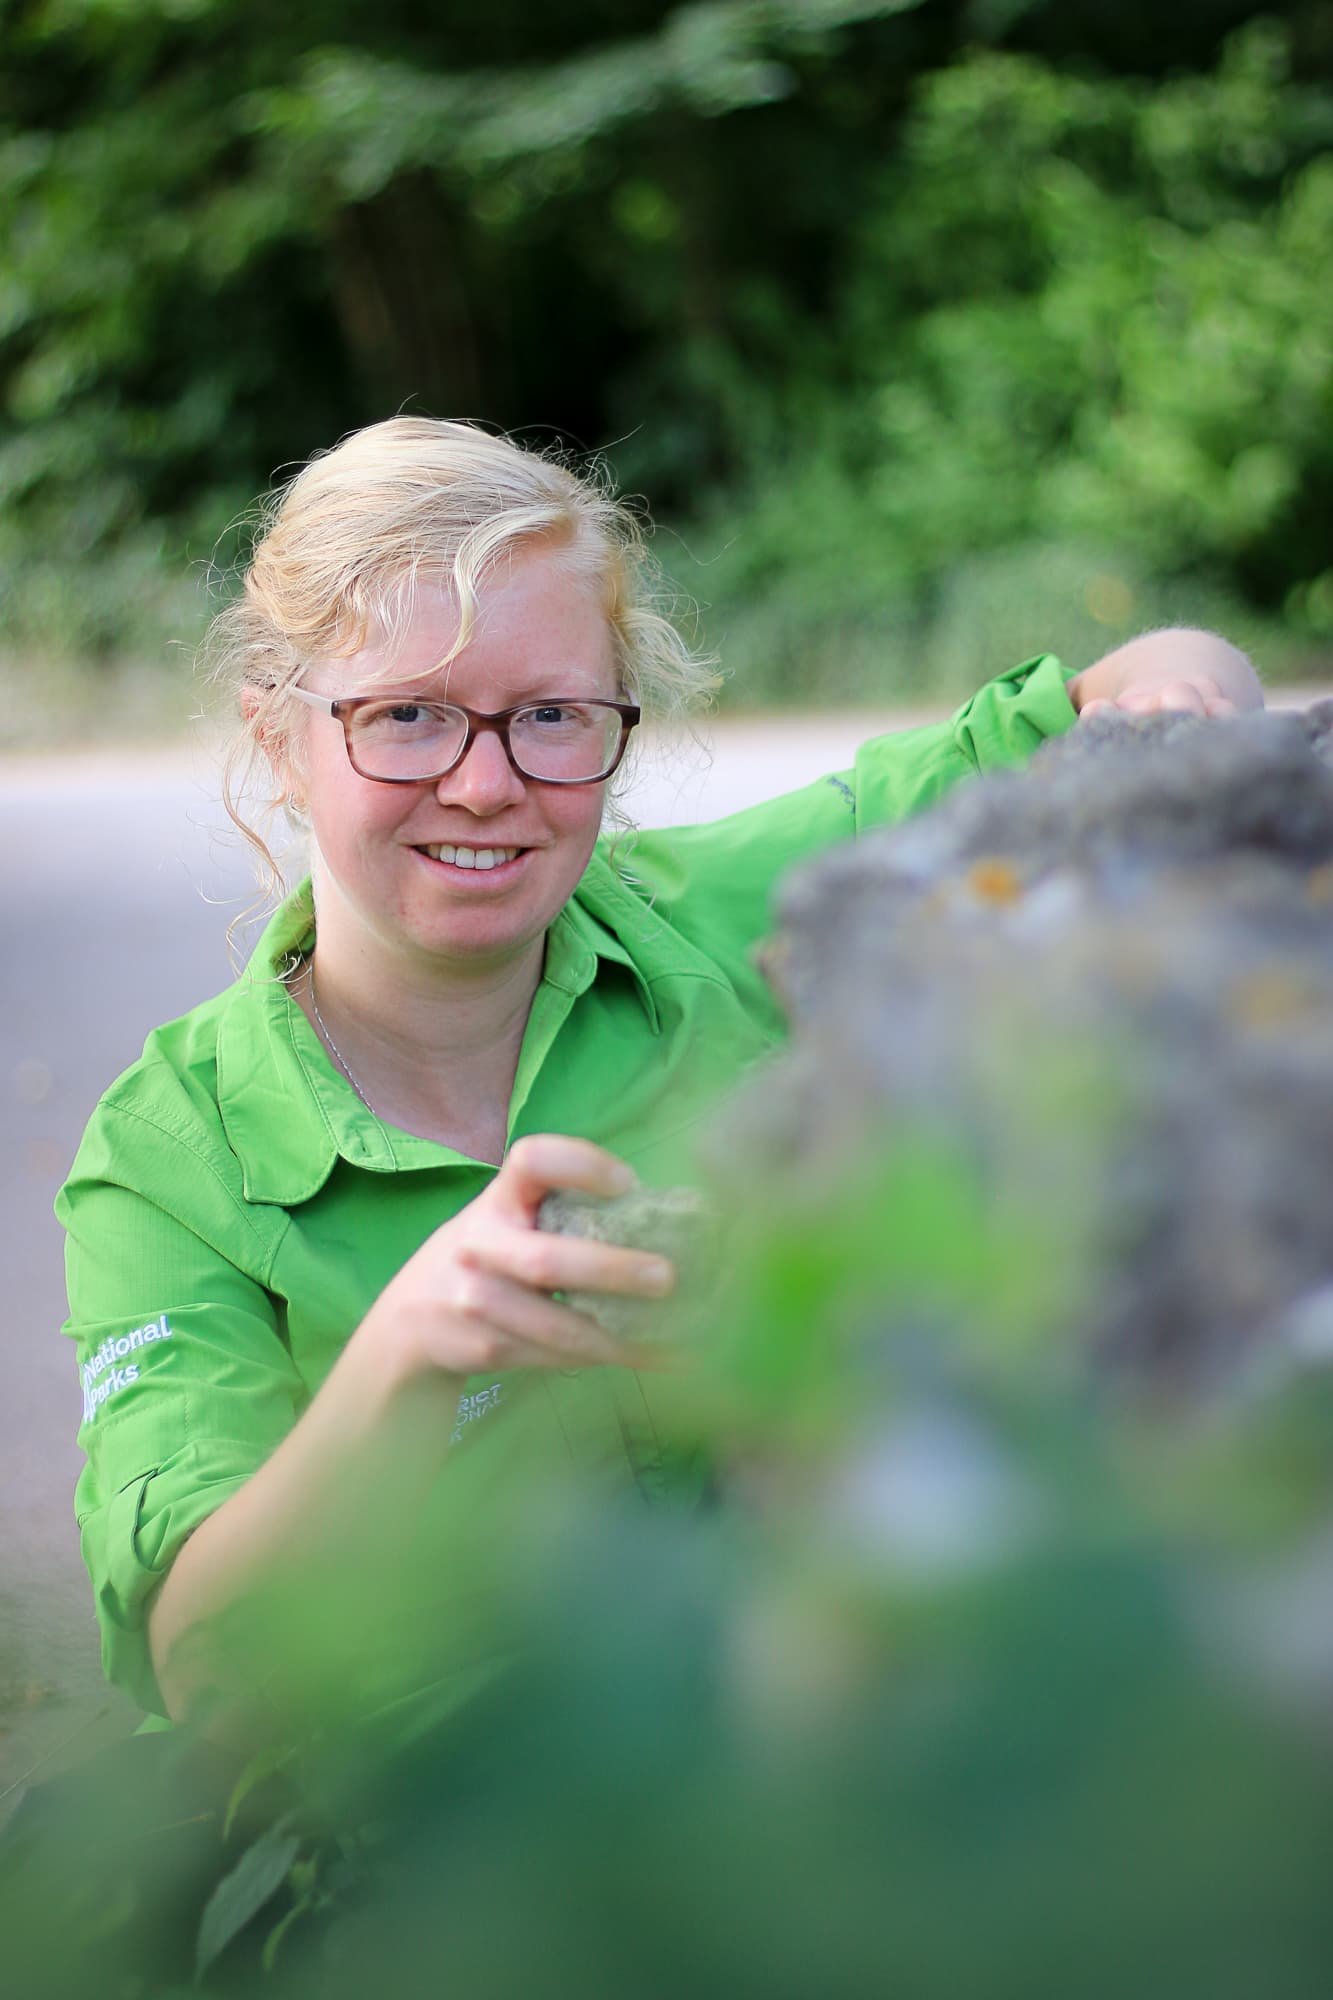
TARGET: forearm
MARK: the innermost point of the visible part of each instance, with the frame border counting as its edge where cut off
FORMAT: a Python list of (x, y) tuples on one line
[(358, 1464), (309, 1551), (1157, 659)]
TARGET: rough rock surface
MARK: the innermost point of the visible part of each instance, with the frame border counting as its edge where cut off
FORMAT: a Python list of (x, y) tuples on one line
[(1107, 980), (678, 1223)]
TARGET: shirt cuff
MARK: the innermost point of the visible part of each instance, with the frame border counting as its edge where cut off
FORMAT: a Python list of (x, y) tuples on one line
[(131, 1543), (1005, 721)]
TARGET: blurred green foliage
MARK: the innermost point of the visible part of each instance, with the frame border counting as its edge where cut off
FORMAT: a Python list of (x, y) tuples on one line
[(981, 1682), (937, 332), (969, 1633)]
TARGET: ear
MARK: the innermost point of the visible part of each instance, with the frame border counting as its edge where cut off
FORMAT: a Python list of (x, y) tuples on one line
[(275, 749)]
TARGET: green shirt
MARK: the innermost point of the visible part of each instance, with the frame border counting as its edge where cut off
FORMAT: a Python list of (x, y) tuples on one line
[(234, 1209)]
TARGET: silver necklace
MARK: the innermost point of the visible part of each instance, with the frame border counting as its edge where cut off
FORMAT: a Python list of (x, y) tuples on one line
[(341, 1059), (334, 1050)]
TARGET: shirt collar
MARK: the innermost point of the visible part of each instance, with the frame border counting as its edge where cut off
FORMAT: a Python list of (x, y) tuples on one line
[(274, 1109), (580, 938), (287, 1112)]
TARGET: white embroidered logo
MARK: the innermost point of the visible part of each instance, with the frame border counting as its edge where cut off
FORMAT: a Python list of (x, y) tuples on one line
[(474, 1406), (97, 1390)]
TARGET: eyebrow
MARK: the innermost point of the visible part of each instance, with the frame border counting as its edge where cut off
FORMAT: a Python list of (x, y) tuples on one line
[(386, 693), (559, 681)]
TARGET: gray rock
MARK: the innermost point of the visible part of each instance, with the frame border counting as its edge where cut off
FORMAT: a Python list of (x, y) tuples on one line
[(1114, 799), (1107, 981), (677, 1223)]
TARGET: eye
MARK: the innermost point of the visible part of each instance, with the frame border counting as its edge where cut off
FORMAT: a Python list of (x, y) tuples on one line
[(391, 715), (551, 714), (404, 722)]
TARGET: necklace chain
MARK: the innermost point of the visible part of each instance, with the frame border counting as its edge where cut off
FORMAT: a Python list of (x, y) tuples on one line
[(338, 1055), (334, 1050)]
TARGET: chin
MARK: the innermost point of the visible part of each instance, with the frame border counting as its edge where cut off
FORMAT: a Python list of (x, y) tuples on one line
[(478, 947)]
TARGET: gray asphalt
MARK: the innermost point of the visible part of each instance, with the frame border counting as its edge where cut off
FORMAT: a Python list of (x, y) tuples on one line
[(119, 875)]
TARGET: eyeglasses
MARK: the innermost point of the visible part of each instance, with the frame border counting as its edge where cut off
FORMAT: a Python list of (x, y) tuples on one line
[(400, 741)]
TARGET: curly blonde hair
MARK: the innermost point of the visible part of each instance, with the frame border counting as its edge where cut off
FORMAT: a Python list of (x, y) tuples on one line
[(339, 552)]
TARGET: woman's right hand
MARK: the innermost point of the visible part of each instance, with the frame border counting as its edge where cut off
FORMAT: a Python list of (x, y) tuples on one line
[(476, 1297)]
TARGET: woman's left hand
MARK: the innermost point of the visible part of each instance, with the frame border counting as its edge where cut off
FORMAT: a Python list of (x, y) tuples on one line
[(1181, 671), (1201, 696)]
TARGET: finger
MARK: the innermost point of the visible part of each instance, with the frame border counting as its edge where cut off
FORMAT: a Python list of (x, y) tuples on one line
[(544, 1161), (1099, 706), (549, 1263), (495, 1322), (1178, 698), (1138, 701)]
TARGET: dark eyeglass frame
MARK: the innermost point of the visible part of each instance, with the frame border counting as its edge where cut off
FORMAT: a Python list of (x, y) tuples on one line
[(479, 721)]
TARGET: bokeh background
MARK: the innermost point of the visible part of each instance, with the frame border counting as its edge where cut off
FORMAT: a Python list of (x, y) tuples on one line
[(933, 331)]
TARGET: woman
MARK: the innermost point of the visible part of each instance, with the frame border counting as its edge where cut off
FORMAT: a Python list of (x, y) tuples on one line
[(303, 1261)]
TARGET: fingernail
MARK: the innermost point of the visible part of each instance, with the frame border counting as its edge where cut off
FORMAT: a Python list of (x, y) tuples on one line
[(622, 1178), (657, 1273)]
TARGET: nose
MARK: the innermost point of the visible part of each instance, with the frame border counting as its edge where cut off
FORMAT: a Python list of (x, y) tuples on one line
[(484, 781)]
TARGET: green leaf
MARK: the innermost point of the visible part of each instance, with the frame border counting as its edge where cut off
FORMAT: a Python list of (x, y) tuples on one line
[(260, 1767), (259, 1873), (273, 1942)]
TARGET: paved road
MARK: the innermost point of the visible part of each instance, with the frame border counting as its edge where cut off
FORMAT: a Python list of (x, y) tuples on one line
[(118, 876)]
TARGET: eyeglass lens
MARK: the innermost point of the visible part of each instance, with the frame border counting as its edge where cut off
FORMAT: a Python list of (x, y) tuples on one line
[(414, 739)]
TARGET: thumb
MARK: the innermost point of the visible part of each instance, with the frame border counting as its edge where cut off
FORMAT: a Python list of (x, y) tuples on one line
[(544, 1161)]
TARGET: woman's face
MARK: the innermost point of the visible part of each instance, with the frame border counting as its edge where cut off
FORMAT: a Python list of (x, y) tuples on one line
[(382, 884)]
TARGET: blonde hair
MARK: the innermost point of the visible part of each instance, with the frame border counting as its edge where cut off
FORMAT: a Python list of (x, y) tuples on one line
[(338, 553)]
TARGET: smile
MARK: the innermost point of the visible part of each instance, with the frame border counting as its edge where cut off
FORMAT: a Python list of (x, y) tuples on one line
[(472, 857)]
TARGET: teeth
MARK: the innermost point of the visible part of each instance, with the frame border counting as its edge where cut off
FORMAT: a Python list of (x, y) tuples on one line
[(472, 857)]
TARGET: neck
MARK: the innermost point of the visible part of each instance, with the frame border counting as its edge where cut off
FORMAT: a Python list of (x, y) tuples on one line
[(433, 1049)]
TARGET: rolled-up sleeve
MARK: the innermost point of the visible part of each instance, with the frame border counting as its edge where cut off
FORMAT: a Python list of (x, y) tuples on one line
[(999, 727), (183, 1372), (715, 882)]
